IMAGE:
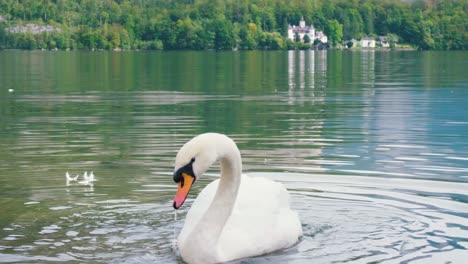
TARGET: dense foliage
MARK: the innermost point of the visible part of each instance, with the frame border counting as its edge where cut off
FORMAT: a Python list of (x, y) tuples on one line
[(216, 24)]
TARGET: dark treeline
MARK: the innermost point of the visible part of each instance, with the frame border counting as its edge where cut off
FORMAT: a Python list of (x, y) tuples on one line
[(224, 25)]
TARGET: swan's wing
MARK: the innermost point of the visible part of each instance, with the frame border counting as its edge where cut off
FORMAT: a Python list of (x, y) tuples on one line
[(262, 220)]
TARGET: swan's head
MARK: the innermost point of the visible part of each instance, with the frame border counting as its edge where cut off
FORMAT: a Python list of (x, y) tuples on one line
[(192, 160)]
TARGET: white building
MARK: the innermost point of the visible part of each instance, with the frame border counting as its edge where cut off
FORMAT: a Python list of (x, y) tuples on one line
[(383, 42), (368, 42), (321, 36), (303, 30)]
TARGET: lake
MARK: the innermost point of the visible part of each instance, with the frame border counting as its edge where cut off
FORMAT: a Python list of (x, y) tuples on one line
[(372, 146)]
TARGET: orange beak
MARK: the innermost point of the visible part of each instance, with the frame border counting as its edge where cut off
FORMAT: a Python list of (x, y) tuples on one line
[(183, 189)]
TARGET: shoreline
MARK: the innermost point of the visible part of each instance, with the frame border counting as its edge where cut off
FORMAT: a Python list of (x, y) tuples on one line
[(212, 50)]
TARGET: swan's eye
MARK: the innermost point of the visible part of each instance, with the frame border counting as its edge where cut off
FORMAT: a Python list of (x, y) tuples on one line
[(192, 160)]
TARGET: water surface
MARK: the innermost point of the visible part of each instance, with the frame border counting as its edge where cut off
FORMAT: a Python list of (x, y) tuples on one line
[(373, 147)]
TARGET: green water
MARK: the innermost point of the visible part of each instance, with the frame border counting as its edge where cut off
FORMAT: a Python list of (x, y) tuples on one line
[(372, 146)]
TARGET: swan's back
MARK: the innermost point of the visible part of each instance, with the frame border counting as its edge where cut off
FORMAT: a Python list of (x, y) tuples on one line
[(261, 220)]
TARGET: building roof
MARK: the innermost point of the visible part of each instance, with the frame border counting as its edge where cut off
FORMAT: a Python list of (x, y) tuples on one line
[(382, 38), (301, 30)]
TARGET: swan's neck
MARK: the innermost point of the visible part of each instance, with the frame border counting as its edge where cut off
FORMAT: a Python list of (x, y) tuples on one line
[(225, 197), (211, 225)]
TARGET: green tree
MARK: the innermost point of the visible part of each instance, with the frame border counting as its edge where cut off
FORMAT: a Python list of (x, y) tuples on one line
[(29, 41), (3, 36), (113, 37), (368, 17), (215, 24), (392, 40), (186, 34), (334, 31), (223, 34), (249, 36)]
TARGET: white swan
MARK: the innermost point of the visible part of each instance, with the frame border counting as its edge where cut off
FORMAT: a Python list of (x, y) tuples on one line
[(233, 217)]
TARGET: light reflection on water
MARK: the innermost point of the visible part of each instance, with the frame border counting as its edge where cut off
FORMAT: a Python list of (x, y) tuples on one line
[(375, 158)]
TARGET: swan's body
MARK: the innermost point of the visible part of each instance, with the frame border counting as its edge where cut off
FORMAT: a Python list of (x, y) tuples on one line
[(233, 217)]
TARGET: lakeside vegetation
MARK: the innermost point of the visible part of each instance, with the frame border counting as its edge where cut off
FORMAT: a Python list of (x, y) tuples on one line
[(226, 25)]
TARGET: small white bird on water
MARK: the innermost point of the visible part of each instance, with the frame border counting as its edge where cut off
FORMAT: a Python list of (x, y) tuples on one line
[(10, 90), (69, 178), (87, 179), (91, 177)]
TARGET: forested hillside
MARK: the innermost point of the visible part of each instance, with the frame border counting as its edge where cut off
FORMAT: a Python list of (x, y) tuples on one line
[(224, 25)]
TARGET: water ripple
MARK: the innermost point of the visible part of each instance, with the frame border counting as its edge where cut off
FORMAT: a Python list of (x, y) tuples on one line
[(374, 154)]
